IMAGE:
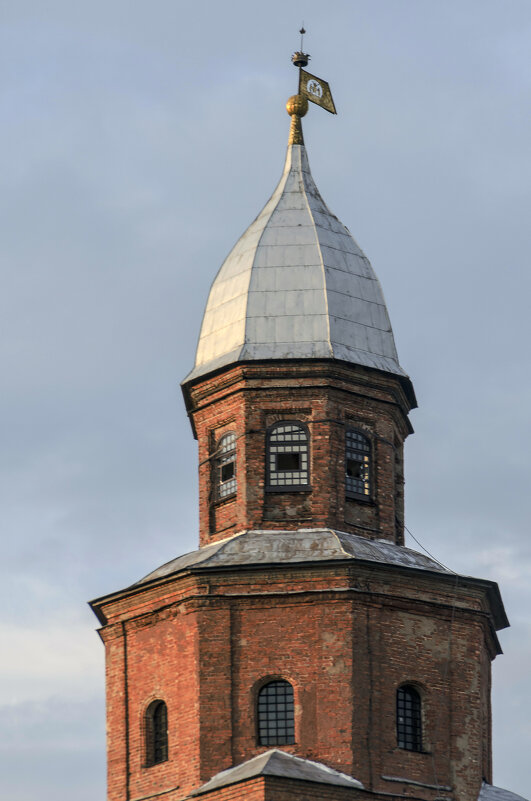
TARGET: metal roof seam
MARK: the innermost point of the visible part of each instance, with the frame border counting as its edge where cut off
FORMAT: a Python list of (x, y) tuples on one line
[(284, 292), (278, 191), (308, 177)]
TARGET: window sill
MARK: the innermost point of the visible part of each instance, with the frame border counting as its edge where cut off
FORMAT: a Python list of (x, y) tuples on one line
[(223, 501), (302, 488), (149, 765), (264, 748), (360, 499)]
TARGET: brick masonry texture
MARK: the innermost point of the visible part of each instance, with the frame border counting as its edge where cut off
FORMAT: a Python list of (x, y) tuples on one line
[(273, 788), (327, 397), (345, 635)]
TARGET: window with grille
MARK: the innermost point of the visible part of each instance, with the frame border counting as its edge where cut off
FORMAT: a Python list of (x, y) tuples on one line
[(288, 456), (156, 733), (357, 464), (226, 466), (408, 718), (276, 722)]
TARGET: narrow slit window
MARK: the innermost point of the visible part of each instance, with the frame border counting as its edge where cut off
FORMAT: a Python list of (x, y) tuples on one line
[(276, 716), (357, 464), (408, 718), (288, 456), (156, 722), (225, 467)]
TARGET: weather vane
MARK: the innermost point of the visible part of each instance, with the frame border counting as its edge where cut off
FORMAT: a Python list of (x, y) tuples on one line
[(310, 87)]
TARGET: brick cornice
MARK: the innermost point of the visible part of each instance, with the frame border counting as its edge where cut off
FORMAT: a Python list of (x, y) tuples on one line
[(295, 375)]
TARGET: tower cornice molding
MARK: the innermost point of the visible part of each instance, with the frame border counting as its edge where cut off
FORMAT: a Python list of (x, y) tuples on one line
[(290, 375)]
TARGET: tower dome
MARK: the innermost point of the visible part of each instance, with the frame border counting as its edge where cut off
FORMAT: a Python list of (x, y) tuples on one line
[(296, 285)]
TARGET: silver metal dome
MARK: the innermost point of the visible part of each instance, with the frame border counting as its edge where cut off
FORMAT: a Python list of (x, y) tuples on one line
[(296, 286)]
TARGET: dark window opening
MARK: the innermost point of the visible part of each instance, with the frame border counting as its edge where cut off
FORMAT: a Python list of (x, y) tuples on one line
[(225, 466), (408, 719), (288, 461), (227, 471), (156, 733), (357, 464), (288, 456), (276, 721), (355, 469)]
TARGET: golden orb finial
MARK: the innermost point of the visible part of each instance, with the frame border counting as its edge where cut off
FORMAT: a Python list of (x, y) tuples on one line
[(297, 104)]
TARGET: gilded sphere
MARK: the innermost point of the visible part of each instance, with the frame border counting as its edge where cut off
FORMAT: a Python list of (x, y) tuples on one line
[(297, 104)]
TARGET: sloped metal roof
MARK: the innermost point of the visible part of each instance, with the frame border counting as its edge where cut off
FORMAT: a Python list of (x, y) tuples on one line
[(490, 793), (285, 765), (296, 286), (281, 764), (257, 547), (262, 548)]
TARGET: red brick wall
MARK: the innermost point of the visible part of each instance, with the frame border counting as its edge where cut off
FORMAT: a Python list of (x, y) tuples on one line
[(161, 664), (346, 637), (274, 788), (326, 398)]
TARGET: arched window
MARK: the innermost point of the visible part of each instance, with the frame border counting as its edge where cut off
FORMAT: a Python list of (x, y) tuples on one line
[(357, 464), (408, 718), (276, 723), (156, 733), (287, 456), (225, 466)]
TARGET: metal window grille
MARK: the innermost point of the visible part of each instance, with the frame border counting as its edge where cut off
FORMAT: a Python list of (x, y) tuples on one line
[(288, 464), (357, 464), (408, 719), (226, 466), (276, 723), (156, 733)]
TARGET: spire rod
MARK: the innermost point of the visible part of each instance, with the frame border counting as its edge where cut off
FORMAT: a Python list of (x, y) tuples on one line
[(297, 105), (300, 58)]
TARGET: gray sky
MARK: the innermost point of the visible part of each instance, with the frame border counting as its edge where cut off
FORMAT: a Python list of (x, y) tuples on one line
[(139, 139)]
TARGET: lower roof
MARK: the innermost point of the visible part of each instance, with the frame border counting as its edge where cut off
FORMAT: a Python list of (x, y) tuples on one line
[(256, 546), (283, 765), (266, 548), (288, 766), (490, 793)]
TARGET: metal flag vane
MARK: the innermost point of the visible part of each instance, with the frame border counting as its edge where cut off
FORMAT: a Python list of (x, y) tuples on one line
[(310, 86)]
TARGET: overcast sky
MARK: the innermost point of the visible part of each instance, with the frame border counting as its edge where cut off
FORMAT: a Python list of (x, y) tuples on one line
[(138, 140)]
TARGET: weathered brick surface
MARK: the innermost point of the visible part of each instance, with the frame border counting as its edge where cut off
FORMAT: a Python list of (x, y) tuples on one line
[(327, 397), (345, 637), (274, 788)]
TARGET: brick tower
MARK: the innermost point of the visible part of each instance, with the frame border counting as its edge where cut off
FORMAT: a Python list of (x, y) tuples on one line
[(302, 652)]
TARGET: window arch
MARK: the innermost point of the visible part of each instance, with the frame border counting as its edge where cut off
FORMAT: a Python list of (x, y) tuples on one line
[(408, 718), (225, 466), (276, 720), (357, 464), (288, 456), (156, 721)]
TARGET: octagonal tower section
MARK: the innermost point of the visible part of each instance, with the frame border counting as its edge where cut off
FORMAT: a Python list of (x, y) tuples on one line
[(297, 399), (344, 623)]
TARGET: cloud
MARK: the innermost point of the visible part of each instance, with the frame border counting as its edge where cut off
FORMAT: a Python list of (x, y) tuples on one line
[(54, 745), (43, 660), (142, 141)]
